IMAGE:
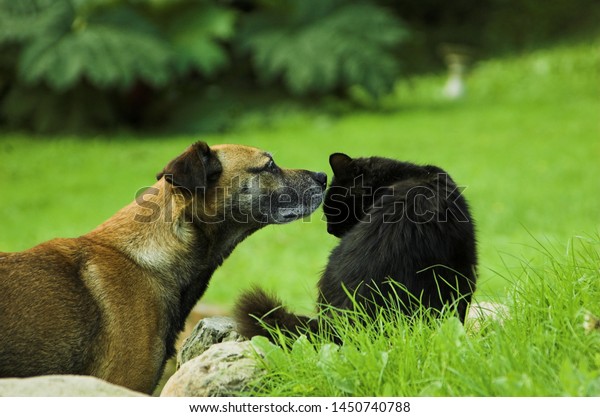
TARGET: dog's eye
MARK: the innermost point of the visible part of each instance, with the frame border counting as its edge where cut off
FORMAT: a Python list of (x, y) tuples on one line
[(271, 167)]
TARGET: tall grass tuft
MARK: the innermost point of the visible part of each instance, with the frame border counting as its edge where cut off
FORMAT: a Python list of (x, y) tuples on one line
[(538, 345)]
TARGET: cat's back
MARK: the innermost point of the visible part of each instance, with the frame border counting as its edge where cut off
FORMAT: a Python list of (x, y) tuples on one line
[(429, 195)]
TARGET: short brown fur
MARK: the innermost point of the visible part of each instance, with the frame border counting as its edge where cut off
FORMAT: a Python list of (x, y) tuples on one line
[(111, 303)]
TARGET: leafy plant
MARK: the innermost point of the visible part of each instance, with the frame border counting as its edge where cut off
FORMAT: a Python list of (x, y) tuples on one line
[(196, 30), (316, 46), (65, 41), (76, 54)]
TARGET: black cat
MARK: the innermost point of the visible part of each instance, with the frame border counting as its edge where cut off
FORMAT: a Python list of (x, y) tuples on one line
[(407, 238)]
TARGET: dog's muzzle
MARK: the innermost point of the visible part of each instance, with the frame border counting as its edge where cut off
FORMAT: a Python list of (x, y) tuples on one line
[(298, 201)]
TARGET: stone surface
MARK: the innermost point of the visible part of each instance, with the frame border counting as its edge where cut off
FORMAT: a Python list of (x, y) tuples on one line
[(590, 322), (483, 312), (222, 370), (208, 332), (63, 386)]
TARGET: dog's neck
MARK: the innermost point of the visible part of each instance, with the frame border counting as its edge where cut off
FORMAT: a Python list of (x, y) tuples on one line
[(179, 251), (149, 229), (160, 232)]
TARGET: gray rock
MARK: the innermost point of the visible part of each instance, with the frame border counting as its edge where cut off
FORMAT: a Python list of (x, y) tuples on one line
[(208, 331), (63, 386), (590, 322), (483, 312), (222, 370)]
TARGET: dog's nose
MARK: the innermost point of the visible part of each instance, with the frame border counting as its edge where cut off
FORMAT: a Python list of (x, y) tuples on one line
[(320, 177)]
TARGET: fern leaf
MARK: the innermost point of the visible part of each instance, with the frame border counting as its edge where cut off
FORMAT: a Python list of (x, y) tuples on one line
[(108, 56), (316, 46), (195, 35), (23, 20)]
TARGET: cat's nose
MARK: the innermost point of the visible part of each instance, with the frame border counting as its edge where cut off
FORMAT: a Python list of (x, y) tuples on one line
[(320, 177)]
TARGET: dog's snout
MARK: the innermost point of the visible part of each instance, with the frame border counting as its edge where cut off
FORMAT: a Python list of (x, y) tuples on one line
[(320, 177)]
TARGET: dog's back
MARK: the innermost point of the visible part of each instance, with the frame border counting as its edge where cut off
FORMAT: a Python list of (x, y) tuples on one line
[(48, 334)]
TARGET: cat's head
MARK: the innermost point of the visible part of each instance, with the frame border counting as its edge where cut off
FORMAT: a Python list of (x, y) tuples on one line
[(358, 183)]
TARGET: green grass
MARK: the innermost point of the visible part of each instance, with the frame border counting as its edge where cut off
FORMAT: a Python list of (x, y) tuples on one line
[(539, 347)]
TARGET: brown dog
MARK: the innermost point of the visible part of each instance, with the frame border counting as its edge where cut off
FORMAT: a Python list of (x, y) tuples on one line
[(111, 303)]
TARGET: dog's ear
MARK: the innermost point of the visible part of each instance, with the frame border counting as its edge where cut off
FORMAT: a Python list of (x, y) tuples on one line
[(342, 165), (194, 169)]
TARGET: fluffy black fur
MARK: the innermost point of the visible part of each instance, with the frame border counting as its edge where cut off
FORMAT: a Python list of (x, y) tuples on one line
[(406, 238), (256, 306)]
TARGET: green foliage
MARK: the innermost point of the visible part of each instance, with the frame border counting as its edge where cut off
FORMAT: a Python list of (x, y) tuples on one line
[(90, 58), (196, 65), (106, 62), (196, 30), (318, 46), (74, 110), (66, 41)]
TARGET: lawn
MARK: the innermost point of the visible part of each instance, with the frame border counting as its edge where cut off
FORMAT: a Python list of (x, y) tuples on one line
[(525, 144), (541, 345)]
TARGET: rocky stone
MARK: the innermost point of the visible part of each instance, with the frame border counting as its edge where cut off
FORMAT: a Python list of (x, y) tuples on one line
[(224, 369), (208, 332), (481, 313), (216, 361), (590, 322), (63, 386)]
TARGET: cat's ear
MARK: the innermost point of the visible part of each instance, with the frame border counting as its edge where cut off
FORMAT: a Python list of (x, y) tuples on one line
[(341, 164)]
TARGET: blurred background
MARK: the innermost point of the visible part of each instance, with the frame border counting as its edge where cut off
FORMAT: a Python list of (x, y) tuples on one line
[(88, 66), (96, 96)]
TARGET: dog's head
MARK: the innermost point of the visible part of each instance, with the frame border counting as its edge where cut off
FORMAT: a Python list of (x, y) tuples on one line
[(243, 185)]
